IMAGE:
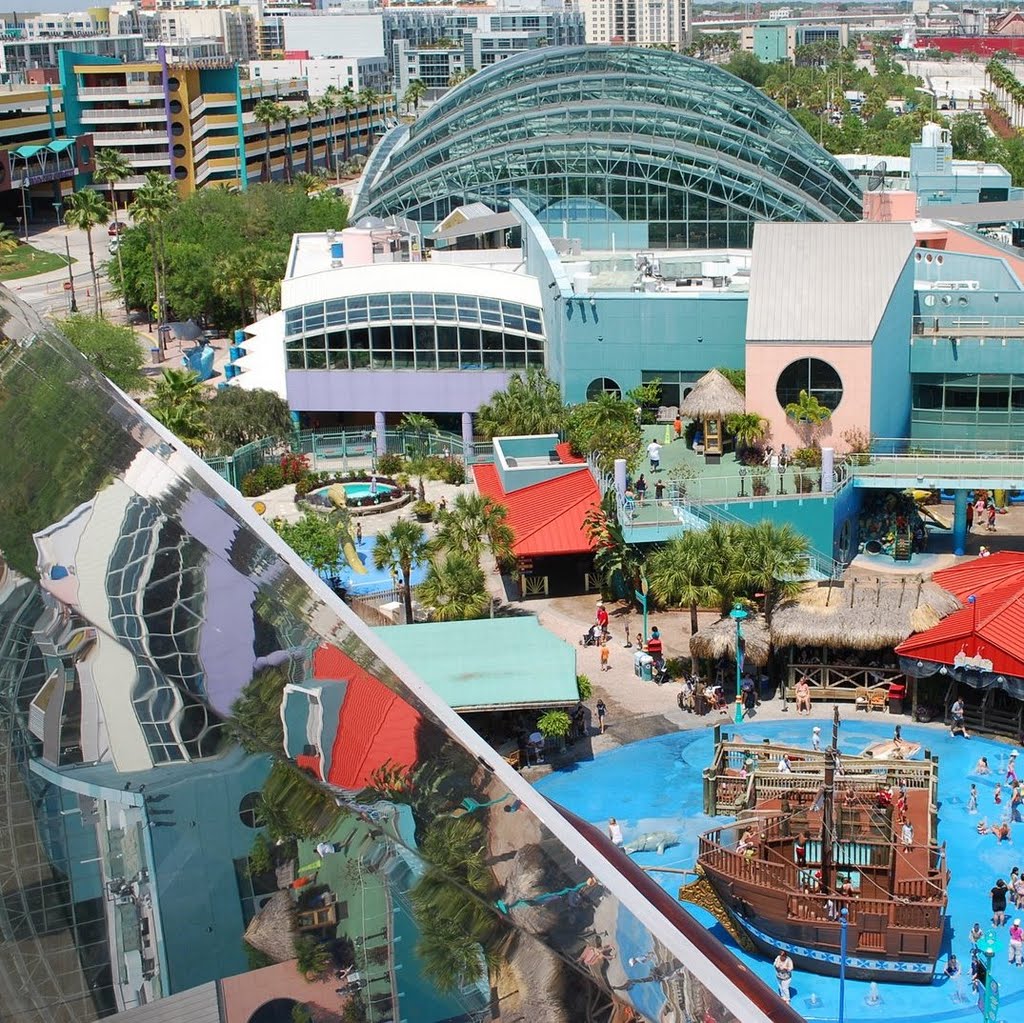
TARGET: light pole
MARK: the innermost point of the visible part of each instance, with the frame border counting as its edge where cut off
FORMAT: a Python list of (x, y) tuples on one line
[(990, 1006), (641, 595), (743, 483), (844, 919), (738, 614), (71, 277)]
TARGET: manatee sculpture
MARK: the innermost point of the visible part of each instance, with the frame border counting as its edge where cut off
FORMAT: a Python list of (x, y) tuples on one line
[(659, 840)]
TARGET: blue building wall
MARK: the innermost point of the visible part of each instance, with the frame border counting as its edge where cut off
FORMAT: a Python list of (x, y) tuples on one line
[(890, 361), (814, 517), (771, 42)]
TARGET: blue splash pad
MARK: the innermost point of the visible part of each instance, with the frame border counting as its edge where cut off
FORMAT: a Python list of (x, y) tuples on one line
[(655, 785)]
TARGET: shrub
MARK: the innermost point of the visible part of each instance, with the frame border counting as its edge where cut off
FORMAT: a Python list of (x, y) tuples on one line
[(423, 510), (584, 687), (311, 481), (554, 724), (402, 479), (390, 464), (807, 458), (261, 859), (453, 472), (261, 480), (677, 667), (294, 467)]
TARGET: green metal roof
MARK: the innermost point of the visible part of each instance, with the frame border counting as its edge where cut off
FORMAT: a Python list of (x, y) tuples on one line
[(491, 664)]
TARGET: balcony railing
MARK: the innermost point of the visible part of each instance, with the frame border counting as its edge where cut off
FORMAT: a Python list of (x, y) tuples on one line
[(968, 326), (113, 116), (122, 92)]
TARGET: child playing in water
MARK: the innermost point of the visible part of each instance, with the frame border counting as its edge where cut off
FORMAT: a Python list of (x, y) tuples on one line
[(998, 794), (972, 800)]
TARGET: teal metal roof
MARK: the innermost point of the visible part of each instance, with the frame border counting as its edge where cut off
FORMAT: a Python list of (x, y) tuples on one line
[(489, 664), (25, 152), (60, 145)]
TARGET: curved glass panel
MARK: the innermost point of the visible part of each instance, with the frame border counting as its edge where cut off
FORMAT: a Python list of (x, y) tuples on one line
[(637, 135), (218, 786)]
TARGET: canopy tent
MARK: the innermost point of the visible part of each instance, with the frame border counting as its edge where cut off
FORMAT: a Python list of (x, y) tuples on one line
[(719, 640), (981, 645), (712, 400), (862, 613)]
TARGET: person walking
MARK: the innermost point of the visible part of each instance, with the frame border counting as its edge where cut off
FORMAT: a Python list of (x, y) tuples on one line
[(816, 739), (677, 427), (998, 894), (979, 512), (654, 454), (605, 657), (641, 488), (972, 799), (1016, 943), (1011, 768), (956, 724), (602, 710), (614, 831), (783, 974), (907, 836)]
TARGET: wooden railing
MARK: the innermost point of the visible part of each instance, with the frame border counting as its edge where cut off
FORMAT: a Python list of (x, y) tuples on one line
[(841, 681), (777, 876), (923, 916)]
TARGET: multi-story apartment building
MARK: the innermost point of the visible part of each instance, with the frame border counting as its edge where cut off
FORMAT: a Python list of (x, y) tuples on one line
[(236, 27), (197, 120), (20, 54), (323, 72), (637, 22)]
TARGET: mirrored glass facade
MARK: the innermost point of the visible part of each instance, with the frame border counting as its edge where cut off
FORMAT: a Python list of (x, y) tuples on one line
[(218, 790), (613, 135)]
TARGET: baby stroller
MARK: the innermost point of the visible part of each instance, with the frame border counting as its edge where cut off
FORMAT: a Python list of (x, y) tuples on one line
[(660, 673), (592, 637)]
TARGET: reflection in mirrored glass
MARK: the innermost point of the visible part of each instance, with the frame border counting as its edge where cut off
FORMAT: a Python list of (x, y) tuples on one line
[(221, 796)]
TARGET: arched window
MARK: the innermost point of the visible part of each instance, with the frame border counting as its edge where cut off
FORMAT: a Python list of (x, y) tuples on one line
[(603, 385), (814, 376)]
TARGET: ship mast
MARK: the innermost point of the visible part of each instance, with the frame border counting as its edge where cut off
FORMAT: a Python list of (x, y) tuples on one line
[(828, 806)]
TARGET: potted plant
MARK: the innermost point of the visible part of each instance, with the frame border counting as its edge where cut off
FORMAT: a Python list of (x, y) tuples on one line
[(423, 510), (759, 480), (555, 724)]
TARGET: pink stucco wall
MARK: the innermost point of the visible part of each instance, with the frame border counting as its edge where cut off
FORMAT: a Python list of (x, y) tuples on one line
[(851, 361), (358, 247), (951, 240)]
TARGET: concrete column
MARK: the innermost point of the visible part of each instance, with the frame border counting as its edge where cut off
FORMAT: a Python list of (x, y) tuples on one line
[(828, 471), (467, 434), (960, 523), (379, 424), (620, 477)]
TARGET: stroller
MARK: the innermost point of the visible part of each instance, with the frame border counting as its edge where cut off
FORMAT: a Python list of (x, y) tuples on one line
[(660, 673), (592, 637)]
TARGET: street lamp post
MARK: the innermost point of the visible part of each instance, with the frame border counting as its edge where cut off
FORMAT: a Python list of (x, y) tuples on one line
[(641, 595), (990, 993), (738, 614), (743, 483), (844, 919)]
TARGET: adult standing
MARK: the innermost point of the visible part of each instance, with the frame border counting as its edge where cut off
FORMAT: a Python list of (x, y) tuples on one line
[(956, 724), (602, 710), (654, 454), (654, 646), (998, 894), (1016, 943), (783, 974), (602, 618), (614, 831), (677, 427), (816, 739)]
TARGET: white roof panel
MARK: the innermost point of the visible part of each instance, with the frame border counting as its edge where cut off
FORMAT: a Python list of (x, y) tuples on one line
[(823, 282)]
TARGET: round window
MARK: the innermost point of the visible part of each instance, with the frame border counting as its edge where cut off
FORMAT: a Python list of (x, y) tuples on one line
[(177, 129), (247, 809), (603, 385), (173, 84), (181, 173), (179, 151), (175, 106), (814, 376), (929, 300)]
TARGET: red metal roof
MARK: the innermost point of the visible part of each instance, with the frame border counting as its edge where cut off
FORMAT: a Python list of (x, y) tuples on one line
[(375, 726), (992, 628), (982, 573), (546, 518), (565, 455)]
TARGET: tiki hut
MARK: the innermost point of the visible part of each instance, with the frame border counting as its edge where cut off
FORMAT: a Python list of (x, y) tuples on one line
[(718, 640), (272, 930), (711, 401), (862, 613)]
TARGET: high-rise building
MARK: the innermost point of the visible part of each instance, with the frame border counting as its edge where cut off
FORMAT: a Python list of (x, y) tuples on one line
[(637, 22)]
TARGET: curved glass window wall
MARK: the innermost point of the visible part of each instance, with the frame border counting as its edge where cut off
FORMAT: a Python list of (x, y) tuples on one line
[(417, 330)]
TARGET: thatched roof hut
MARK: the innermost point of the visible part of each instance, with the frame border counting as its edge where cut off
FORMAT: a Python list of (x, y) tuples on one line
[(719, 640), (862, 613), (272, 930), (712, 397)]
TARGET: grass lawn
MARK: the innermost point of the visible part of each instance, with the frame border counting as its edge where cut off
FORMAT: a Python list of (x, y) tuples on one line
[(27, 261)]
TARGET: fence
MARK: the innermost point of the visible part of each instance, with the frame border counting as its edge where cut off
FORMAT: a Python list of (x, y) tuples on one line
[(344, 449)]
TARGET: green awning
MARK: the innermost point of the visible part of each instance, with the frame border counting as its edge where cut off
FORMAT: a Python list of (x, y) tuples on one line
[(61, 145), (490, 664), (26, 152)]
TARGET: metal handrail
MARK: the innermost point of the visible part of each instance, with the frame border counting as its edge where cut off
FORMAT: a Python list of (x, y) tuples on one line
[(953, 447)]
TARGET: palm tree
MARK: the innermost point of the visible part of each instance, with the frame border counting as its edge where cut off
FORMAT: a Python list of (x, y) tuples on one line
[(329, 104), (286, 114), (234, 280), (347, 102), (9, 241), (454, 589), (268, 113), (85, 210), (153, 203), (531, 403), (749, 428), (681, 574), (473, 524), (310, 110), (401, 547), (178, 403), (617, 563), (369, 97), (111, 167), (412, 96), (312, 959), (772, 560), (808, 412)]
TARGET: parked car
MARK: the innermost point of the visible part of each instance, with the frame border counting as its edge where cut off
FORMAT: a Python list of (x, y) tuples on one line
[(115, 227), (113, 245)]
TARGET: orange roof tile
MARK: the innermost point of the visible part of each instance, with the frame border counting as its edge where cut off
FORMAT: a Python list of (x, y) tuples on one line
[(546, 518), (375, 725), (981, 573)]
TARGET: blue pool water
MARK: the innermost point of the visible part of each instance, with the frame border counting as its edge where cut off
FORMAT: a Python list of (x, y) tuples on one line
[(655, 785), (375, 580)]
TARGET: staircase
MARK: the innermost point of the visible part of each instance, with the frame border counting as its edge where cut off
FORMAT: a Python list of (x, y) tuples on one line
[(903, 549)]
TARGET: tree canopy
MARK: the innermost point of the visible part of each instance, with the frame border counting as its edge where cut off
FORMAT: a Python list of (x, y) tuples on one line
[(315, 538), (530, 404), (115, 351), (236, 417), (608, 428), (225, 251)]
